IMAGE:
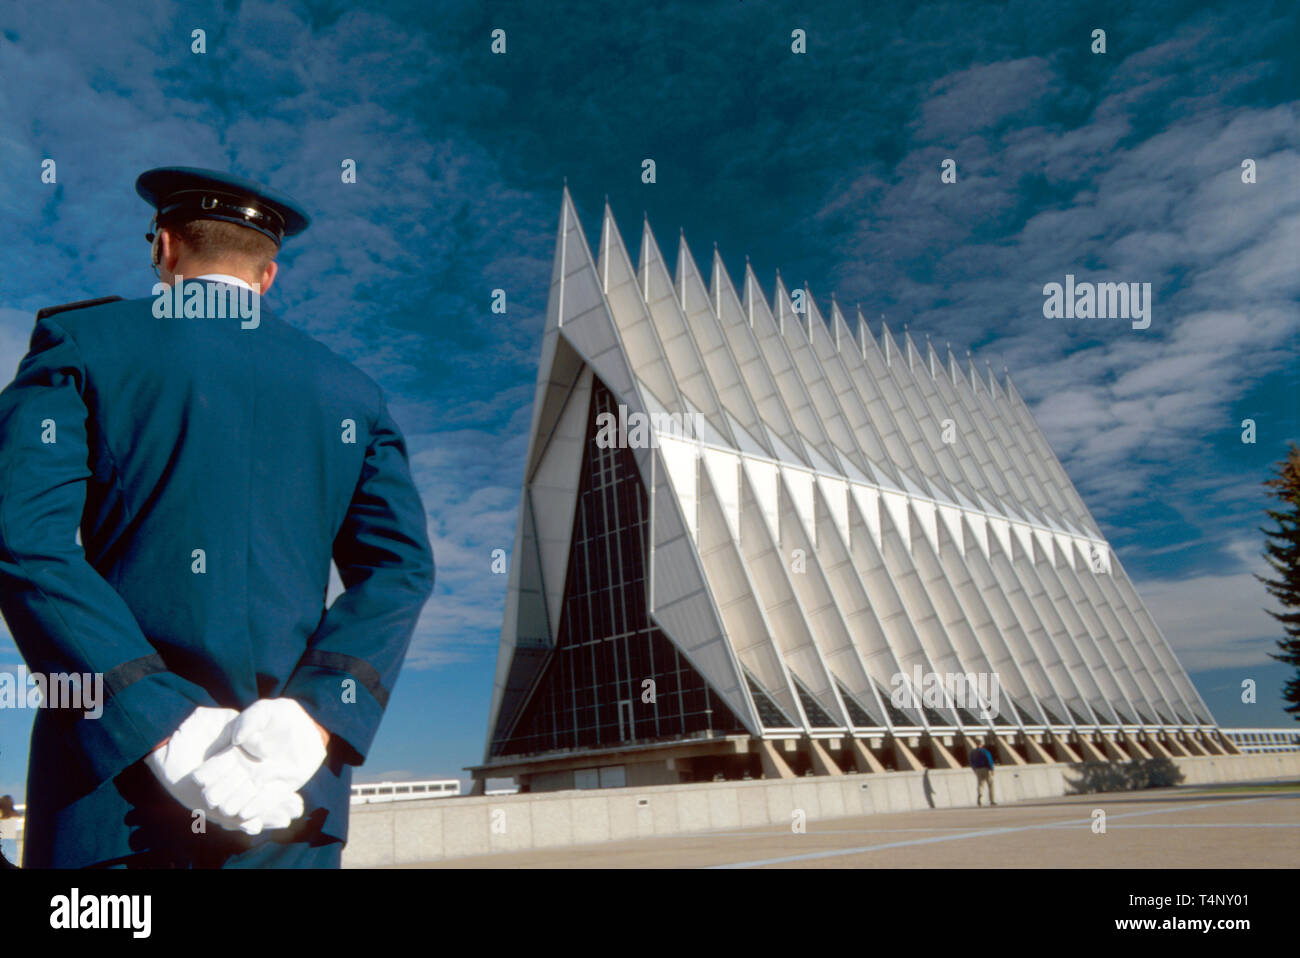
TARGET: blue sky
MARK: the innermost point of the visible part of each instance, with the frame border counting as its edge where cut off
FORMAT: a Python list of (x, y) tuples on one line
[(1122, 166)]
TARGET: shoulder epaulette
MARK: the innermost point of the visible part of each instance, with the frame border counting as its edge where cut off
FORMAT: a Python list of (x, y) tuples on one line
[(82, 304)]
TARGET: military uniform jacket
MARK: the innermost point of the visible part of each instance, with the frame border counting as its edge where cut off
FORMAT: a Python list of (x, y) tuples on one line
[(213, 471)]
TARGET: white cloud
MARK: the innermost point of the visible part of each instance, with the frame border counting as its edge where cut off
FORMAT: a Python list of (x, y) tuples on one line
[(1213, 621)]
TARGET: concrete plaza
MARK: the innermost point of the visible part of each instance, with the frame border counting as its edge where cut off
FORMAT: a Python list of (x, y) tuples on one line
[(1229, 826)]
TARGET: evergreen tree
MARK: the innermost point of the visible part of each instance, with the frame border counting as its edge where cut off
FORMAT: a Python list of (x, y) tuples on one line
[(1283, 553)]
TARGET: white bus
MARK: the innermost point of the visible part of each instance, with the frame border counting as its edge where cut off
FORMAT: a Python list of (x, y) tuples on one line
[(404, 791)]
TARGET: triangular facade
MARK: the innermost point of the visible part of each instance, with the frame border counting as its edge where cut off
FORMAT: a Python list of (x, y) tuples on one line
[(754, 519)]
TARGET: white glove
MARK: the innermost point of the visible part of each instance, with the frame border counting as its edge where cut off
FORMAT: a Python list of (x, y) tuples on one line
[(205, 733), (275, 746)]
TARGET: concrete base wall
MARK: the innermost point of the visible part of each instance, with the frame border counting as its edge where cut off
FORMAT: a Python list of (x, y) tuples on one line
[(427, 831)]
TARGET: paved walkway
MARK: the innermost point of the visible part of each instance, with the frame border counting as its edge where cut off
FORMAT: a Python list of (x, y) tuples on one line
[(1228, 827)]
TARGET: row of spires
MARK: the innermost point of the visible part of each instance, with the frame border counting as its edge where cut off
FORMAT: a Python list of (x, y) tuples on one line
[(864, 333), (1004, 390), (885, 341)]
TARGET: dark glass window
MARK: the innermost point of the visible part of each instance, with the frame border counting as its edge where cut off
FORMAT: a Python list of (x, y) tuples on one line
[(935, 719), (769, 713), (897, 715), (1105, 712), (817, 716), (589, 692), (1007, 711), (858, 713)]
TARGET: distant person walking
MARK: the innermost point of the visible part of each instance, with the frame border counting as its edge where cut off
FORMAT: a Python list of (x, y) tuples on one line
[(981, 760)]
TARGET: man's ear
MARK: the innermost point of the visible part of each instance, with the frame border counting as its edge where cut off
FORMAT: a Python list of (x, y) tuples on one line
[(169, 249), (268, 276)]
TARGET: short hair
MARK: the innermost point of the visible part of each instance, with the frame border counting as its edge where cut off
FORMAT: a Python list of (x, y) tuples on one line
[(213, 239)]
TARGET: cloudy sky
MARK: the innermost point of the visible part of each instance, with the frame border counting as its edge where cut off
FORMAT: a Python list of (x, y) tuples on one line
[(1122, 166)]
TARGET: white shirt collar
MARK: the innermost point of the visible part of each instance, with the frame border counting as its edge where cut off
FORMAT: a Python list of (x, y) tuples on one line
[(225, 278)]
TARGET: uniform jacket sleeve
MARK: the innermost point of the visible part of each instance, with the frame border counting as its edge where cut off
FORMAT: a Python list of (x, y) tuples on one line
[(385, 562), (64, 616)]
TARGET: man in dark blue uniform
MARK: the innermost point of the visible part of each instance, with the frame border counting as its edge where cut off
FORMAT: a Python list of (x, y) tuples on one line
[(213, 466)]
